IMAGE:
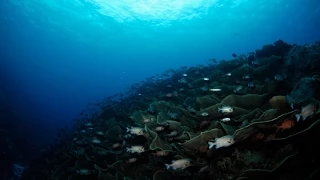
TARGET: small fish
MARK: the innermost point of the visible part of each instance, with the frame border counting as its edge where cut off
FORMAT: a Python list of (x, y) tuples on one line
[(95, 141), (131, 160), (116, 145), (204, 114), (85, 171), (160, 153), (286, 124), (251, 85), (215, 90), (223, 141), (173, 133), (225, 109), (204, 169), (135, 130), (179, 164), (306, 112), (228, 74), (88, 124), (237, 89), (234, 55), (100, 133), (146, 120), (182, 81), (135, 149), (246, 77), (280, 77), (164, 123), (206, 79), (184, 75), (204, 88), (159, 128), (225, 120)]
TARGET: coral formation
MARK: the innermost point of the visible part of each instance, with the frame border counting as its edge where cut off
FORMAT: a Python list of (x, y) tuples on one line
[(251, 117)]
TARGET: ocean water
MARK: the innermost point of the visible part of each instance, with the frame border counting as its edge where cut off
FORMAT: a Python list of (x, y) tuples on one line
[(59, 57)]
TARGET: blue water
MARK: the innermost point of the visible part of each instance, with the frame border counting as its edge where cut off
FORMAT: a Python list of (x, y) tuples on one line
[(59, 55)]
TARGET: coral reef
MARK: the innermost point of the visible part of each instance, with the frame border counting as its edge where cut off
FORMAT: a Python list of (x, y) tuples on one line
[(233, 119)]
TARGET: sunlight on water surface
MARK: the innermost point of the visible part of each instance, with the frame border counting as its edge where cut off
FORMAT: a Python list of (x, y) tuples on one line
[(153, 10)]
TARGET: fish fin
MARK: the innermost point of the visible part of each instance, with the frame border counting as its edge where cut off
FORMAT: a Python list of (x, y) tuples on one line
[(292, 105), (304, 118), (211, 144), (219, 109), (298, 117), (173, 168), (167, 166)]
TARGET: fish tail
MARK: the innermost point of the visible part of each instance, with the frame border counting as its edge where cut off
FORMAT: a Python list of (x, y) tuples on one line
[(167, 166), (128, 130), (304, 118), (298, 116), (211, 144)]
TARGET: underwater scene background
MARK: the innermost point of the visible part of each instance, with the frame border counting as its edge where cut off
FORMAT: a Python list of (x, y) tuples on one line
[(159, 89)]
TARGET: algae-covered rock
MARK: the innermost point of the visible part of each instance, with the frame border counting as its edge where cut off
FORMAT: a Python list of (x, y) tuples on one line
[(105, 176), (248, 101), (111, 123), (77, 177), (159, 106), (265, 116), (184, 136), (278, 102), (119, 176), (242, 71), (270, 87), (114, 133), (266, 173), (267, 126), (141, 117), (304, 90), (118, 166), (158, 144), (160, 175), (229, 129), (254, 114), (213, 111), (60, 170), (202, 139), (206, 101)]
